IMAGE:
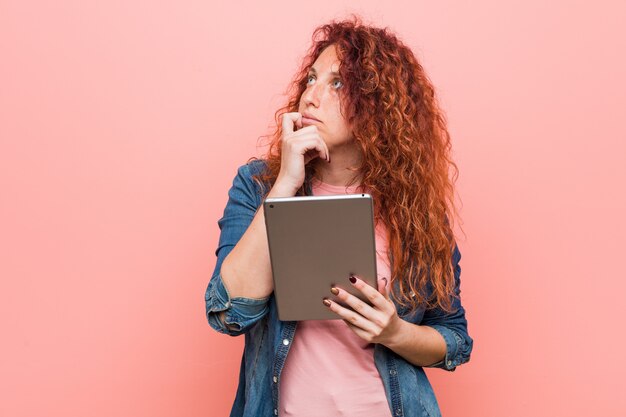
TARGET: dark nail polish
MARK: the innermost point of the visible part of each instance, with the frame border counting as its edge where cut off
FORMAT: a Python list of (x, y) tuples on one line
[(352, 279), (326, 302)]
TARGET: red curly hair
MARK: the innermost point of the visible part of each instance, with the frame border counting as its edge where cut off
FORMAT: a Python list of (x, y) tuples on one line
[(390, 105)]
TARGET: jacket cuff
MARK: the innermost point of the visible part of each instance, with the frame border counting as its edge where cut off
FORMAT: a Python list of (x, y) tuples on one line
[(240, 312), (453, 341)]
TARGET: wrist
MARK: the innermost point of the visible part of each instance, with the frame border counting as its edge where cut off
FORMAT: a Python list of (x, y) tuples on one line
[(282, 190), (397, 334)]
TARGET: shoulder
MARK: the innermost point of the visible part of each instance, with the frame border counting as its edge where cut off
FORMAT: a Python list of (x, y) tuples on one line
[(252, 167), (245, 183), (247, 171)]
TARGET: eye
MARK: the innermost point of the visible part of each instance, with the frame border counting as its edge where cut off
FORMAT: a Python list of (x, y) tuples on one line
[(309, 79), (337, 80)]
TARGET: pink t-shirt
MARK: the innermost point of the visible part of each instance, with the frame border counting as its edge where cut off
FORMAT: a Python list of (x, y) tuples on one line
[(330, 371)]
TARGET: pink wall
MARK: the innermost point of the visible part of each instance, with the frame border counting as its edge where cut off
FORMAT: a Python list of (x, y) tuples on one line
[(122, 125)]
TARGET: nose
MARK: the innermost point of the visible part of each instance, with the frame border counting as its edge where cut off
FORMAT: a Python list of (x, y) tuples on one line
[(311, 95)]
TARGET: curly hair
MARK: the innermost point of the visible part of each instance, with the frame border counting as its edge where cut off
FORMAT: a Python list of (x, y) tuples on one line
[(390, 105)]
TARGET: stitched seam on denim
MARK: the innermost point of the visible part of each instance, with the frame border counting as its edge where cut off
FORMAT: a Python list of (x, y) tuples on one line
[(288, 333), (459, 348), (256, 353), (246, 300), (413, 368), (394, 385)]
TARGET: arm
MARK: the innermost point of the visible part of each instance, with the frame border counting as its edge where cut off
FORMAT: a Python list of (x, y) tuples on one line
[(241, 284), (441, 340), (251, 258), (419, 345), (452, 327)]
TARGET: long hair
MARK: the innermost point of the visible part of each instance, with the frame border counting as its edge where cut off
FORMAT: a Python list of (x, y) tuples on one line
[(390, 105)]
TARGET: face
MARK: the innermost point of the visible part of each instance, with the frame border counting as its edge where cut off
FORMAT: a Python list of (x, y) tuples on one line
[(321, 100)]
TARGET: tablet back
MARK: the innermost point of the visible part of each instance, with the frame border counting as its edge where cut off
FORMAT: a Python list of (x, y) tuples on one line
[(316, 242)]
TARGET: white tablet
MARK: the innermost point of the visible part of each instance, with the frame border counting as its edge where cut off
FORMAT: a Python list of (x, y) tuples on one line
[(317, 242)]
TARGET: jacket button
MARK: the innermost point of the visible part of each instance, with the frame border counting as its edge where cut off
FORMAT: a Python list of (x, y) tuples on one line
[(393, 372), (227, 305), (449, 363), (285, 342), (275, 380), (275, 412)]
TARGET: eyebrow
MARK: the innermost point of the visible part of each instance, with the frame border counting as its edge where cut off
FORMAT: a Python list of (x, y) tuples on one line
[(312, 70)]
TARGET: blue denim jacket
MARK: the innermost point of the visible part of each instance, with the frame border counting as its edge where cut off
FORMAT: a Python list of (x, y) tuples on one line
[(267, 339)]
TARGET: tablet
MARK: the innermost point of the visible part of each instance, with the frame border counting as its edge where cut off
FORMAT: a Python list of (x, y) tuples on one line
[(317, 242)]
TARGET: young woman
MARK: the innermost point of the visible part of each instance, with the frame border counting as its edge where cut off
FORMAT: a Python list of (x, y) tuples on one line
[(362, 117)]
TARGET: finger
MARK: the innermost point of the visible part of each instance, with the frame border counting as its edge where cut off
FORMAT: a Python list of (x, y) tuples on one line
[(311, 132), (327, 151), (359, 332), (351, 317), (297, 136), (375, 297), (304, 146), (305, 130), (357, 305), (288, 121)]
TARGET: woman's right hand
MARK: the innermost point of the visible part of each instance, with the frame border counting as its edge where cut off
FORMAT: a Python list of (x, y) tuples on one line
[(298, 148)]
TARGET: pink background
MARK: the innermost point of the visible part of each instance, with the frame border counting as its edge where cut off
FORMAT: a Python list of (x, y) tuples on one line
[(121, 128)]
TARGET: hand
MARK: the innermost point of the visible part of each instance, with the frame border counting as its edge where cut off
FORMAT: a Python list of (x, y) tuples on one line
[(378, 323), (298, 148)]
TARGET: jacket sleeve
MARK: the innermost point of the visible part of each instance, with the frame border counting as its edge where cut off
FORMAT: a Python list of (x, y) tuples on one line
[(240, 313), (452, 326)]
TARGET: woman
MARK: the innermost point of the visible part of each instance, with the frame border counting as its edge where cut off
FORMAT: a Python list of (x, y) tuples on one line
[(362, 116)]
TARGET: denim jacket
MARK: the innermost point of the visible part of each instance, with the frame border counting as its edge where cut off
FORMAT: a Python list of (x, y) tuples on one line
[(267, 339)]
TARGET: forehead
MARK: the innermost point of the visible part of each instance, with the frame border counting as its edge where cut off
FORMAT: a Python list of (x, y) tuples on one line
[(327, 62)]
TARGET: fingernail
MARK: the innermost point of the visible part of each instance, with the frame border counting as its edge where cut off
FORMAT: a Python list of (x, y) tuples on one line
[(353, 279), (334, 290), (326, 302)]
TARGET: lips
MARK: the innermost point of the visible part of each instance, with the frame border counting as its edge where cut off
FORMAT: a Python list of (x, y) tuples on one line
[(309, 119)]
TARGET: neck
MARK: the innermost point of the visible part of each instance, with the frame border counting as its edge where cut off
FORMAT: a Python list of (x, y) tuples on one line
[(342, 168)]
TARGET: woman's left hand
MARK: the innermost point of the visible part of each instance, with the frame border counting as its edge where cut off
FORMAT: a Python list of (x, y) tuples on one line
[(378, 323)]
